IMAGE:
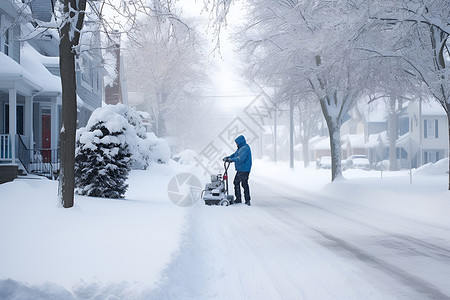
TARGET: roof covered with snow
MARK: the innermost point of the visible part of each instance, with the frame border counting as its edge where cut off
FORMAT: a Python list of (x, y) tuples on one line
[(11, 70), (432, 108), (32, 60), (322, 145), (356, 140), (30, 69)]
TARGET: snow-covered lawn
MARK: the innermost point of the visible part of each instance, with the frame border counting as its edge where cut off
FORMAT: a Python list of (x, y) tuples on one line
[(422, 193), (303, 238), (100, 247)]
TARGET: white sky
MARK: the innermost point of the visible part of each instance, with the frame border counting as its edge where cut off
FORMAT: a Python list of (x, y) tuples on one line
[(229, 87)]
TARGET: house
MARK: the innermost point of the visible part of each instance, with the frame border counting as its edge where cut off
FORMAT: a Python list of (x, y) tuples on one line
[(424, 133), (377, 148), (353, 144), (30, 88)]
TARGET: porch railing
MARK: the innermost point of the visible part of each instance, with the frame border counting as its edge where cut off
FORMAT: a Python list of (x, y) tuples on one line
[(44, 161), (5, 147)]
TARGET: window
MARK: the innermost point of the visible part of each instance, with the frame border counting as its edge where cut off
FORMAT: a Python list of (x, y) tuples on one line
[(19, 119), (431, 156), (86, 74), (436, 126), (404, 125), (98, 82), (430, 128), (7, 42)]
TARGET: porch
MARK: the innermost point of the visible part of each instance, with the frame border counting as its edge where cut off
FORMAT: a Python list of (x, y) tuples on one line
[(40, 161)]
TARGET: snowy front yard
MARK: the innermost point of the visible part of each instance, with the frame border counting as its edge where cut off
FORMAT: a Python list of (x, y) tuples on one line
[(99, 247), (365, 237)]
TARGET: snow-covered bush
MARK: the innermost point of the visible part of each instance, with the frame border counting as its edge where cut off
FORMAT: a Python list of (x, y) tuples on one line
[(159, 149), (140, 151), (113, 142), (102, 161)]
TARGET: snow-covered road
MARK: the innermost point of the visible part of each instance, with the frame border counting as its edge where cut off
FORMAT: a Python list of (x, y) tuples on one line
[(293, 244)]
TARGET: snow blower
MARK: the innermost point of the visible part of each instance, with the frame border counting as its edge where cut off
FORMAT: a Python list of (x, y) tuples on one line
[(216, 192)]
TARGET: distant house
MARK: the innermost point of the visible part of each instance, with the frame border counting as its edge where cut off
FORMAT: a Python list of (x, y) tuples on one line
[(353, 144), (424, 129), (30, 88), (377, 148)]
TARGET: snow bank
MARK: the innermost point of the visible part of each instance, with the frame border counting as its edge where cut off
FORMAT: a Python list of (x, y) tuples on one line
[(186, 157), (439, 168), (160, 150), (425, 199), (99, 249)]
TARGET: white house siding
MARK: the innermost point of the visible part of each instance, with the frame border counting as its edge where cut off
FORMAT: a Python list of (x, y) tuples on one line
[(435, 148), (431, 148)]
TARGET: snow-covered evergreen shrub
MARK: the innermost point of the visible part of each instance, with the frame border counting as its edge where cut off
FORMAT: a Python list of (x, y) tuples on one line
[(102, 162), (140, 151)]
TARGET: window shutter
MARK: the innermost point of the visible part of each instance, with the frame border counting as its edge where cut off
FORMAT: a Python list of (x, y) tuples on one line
[(436, 124), (425, 129)]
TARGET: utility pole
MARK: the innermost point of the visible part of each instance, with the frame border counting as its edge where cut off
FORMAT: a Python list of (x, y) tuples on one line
[(275, 133), (291, 134)]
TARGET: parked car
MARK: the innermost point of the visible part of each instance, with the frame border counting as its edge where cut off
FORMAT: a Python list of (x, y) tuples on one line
[(325, 162), (357, 162)]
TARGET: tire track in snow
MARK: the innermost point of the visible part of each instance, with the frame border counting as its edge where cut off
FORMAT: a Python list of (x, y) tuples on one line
[(413, 282), (439, 252)]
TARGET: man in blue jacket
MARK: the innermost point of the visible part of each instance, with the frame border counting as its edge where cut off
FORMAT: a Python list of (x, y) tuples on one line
[(242, 159)]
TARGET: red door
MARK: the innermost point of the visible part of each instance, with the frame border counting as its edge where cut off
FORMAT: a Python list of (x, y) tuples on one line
[(46, 137)]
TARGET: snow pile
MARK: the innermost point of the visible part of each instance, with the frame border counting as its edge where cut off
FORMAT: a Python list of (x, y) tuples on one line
[(438, 168), (186, 157), (160, 150)]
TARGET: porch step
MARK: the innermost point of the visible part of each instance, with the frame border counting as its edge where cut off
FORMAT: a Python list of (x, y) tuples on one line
[(8, 173)]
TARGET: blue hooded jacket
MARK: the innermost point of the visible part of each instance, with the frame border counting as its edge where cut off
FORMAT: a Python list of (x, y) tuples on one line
[(242, 158)]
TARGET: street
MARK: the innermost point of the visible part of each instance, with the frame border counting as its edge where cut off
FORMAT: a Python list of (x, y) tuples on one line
[(292, 244)]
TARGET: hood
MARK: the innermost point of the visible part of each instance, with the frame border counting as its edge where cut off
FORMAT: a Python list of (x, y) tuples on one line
[(240, 141)]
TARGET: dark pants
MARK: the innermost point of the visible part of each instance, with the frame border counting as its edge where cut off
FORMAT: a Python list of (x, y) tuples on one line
[(241, 178)]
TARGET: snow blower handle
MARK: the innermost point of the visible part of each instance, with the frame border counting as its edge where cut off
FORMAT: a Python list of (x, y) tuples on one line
[(226, 165)]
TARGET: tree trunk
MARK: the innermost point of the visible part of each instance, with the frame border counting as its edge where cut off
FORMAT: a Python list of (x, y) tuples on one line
[(448, 118), (161, 130), (291, 135), (393, 135), (69, 118), (335, 146), (305, 149)]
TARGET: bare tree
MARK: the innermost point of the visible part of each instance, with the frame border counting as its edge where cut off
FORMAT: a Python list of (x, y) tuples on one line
[(315, 43), (70, 17), (422, 42), (166, 66)]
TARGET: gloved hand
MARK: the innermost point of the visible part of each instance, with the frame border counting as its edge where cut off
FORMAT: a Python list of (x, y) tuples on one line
[(226, 159)]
